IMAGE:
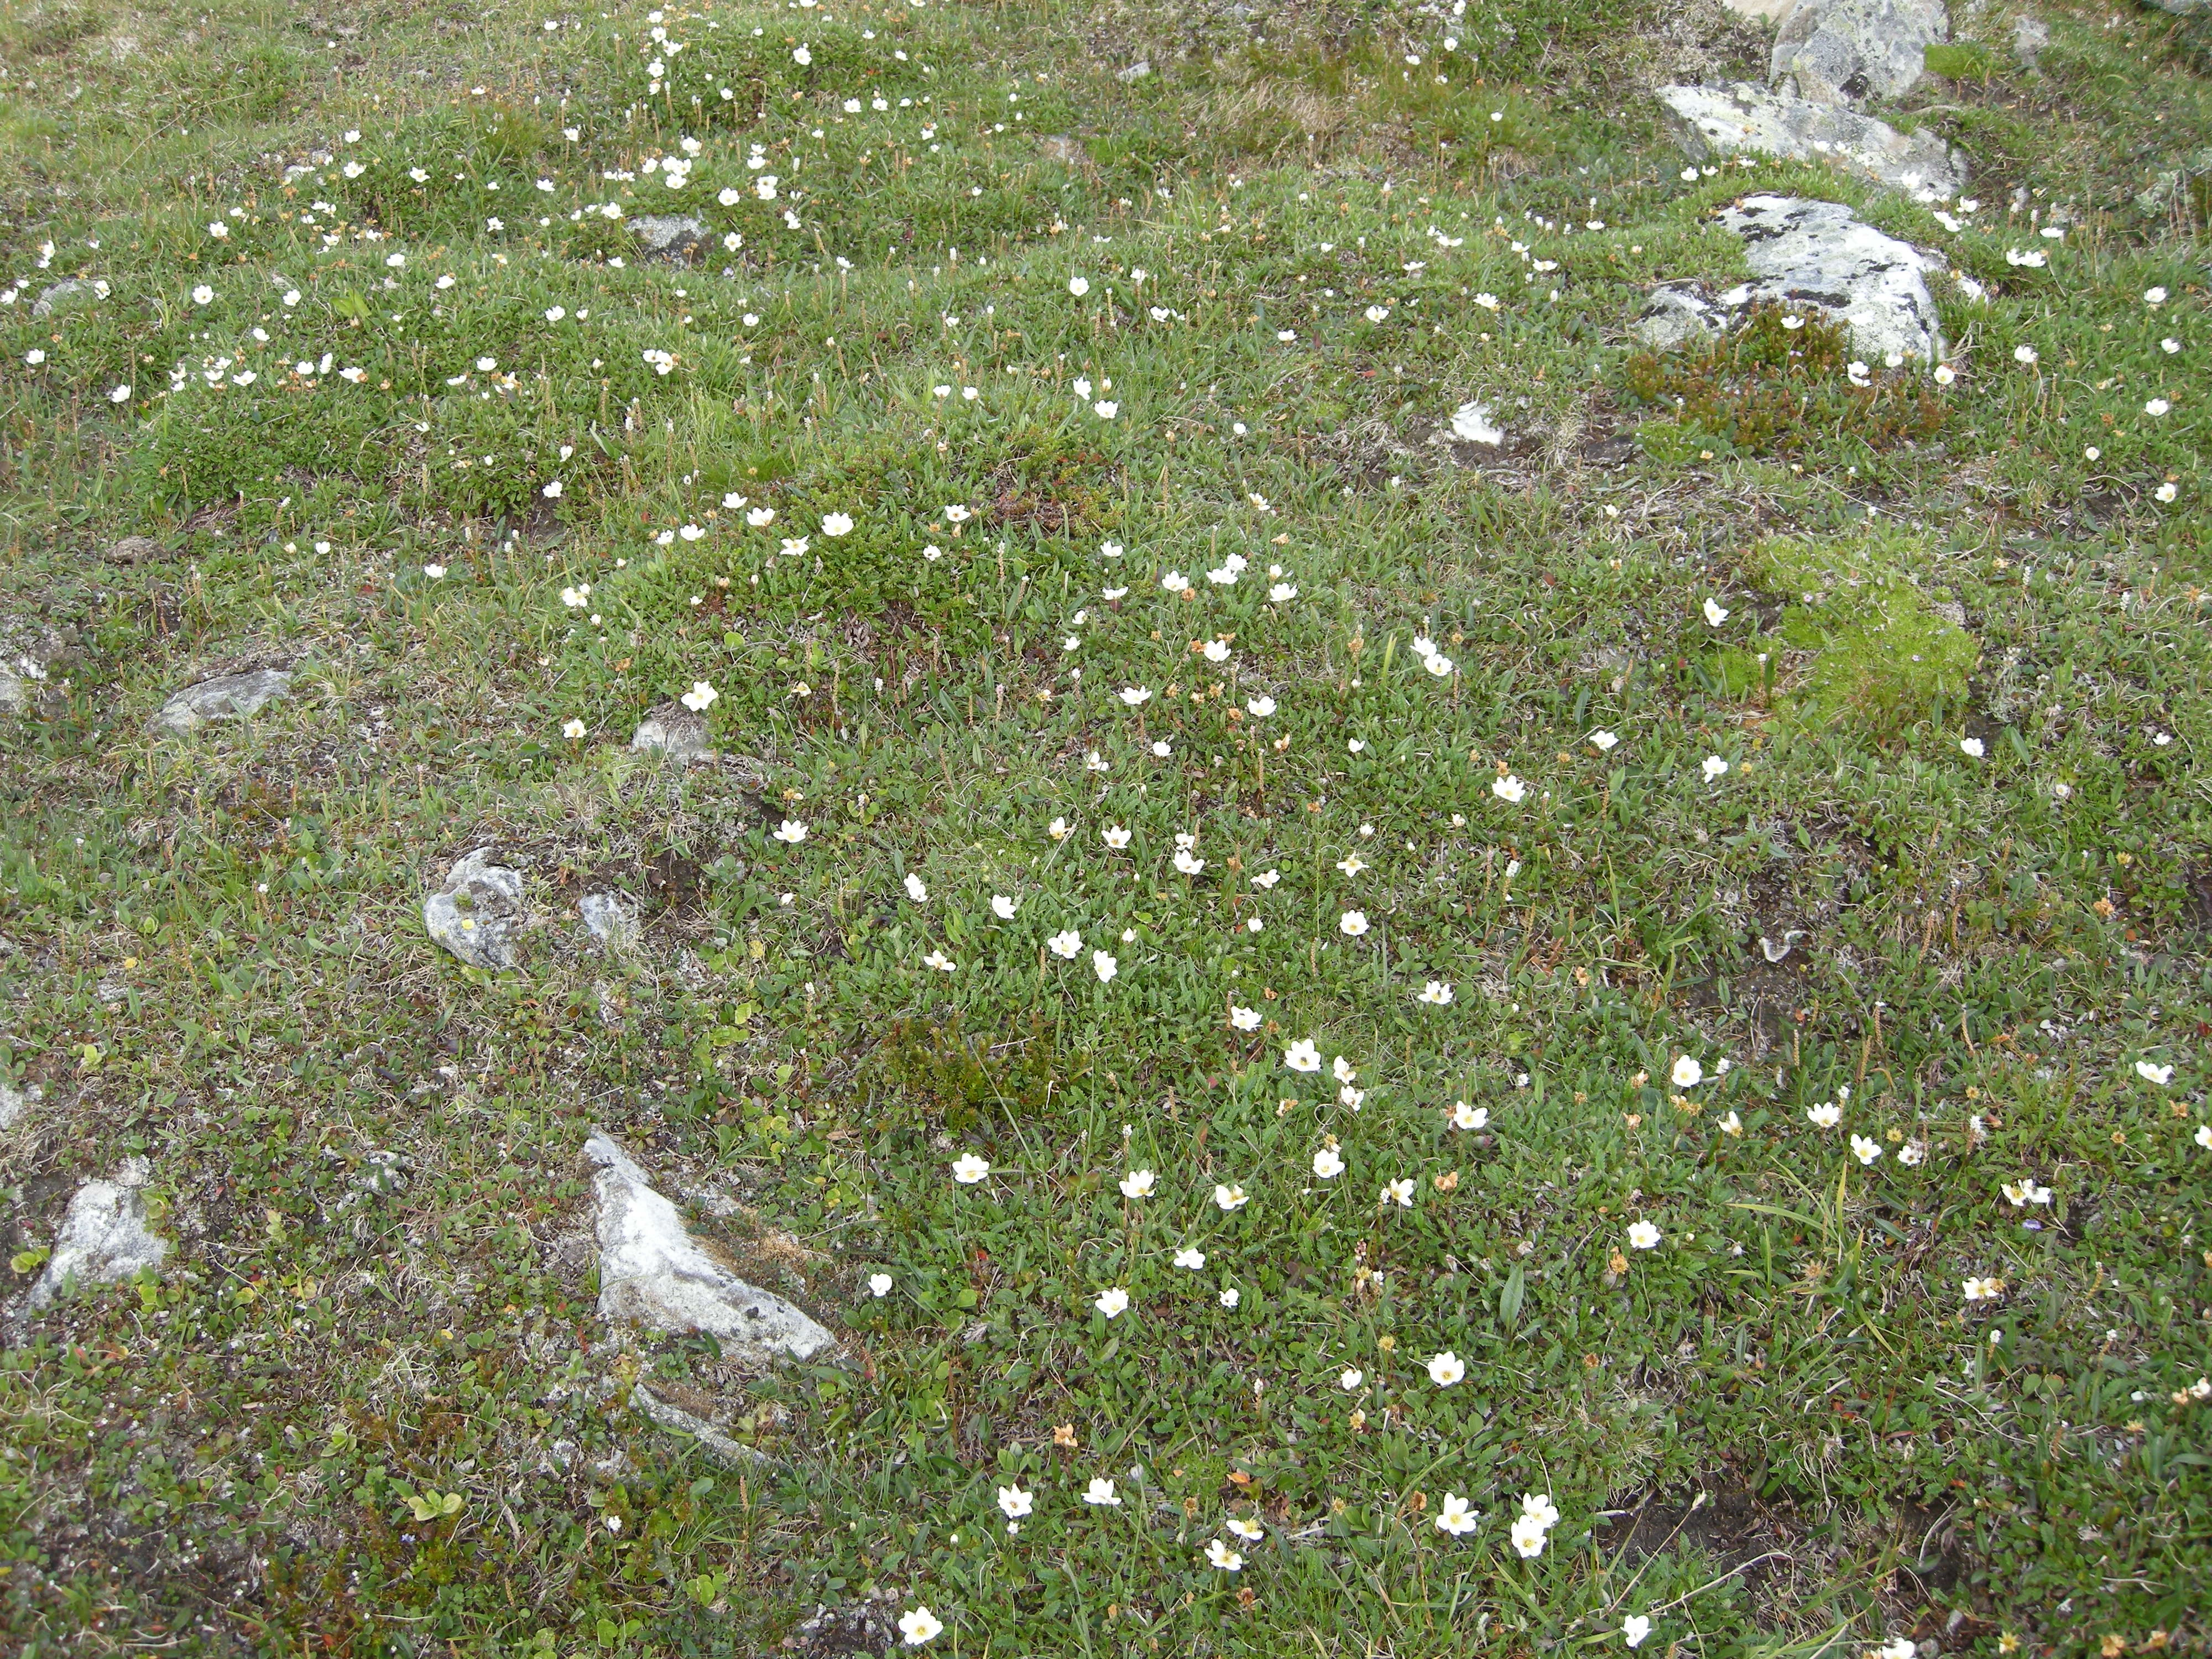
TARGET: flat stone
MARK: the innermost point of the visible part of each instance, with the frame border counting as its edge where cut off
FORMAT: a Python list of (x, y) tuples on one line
[(1472, 423), (1136, 71), (68, 295), (2184, 8), (1711, 124), (674, 731), (653, 1271), (228, 698), (1816, 254), (1674, 316), (669, 239), (1765, 10), (730, 1454), (478, 913), (104, 1236), (611, 919), (1838, 51), (2030, 35), (1064, 150), (14, 1102)]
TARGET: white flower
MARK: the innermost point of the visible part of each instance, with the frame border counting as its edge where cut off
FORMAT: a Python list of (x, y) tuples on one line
[(1527, 1535), (2203, 1135), (1825, 1116), (1266, 879), (1222, 1557), (1343, 1070), (1113, 1302), (1250, 1531), (1002, 906), (2154, 297), (1465, 1116), (1715, 612), (1898, 1647), (968, 1168), (1538, 1508), (1104, 966), (1106, 409), (1230, 1198), (1352, 1378), (1302, 1055), (1454, 1517), (118, 394), (203, 295), (879, 1285), (1713, 767), (2023, 354), (2166, 492), (1078, 286), (1399, 1192), (1014, 1501), (1970, 747), (940, 962), (1187, 864), (1732, 1125), (1982, 1289), (1135, 695), (1058, 830), (1282, 591), (1329, 1163), (1642, 1235), (1865, 1149), (1101, 1490), (1634, 1629), (1230, 1298), (1244, 1019), (1437, 664), (958, 514), (1436, 993), (1945, 375), (219, 230), (1259, 707), (760, 516), (791, 831), (700, 698), (572, 728), (2160, 1075), (552, 491), (918, 1626), (1115, 837), (1446, 1369), (1066, 944), (1687, 1073), (1138, 1183), (2022, 1194), (1187, 1257), (1509, 789), (836, 524), (1352, 923)]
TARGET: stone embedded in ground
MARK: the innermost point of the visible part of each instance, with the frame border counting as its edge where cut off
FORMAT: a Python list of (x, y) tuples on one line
[(610, 919), (1062, 148), (1674, 316), (674, 731), (1711, 124), (1837, 52), (14, 1102), (69, 295), (2030, 35), (1472, 423), (104, 1236), (653, 1271), (1816, 255), (477, 914), (731, 1454), (227, 697), (2183, 7), (1136, 71), (667, 238), (1765, 11)]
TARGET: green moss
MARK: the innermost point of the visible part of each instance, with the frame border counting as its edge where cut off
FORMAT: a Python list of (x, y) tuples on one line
[(1886, 658)]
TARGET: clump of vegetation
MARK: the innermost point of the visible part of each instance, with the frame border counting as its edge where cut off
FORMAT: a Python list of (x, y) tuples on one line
[(1777, 385), (1884, 656)]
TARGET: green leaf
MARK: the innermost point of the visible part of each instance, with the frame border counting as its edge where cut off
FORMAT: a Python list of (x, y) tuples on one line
[(1509, 1299)]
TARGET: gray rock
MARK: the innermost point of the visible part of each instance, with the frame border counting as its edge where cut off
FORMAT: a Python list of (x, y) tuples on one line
[(653, 1271), (2030, 35), (1839, 52), (1674, 315), (28, 663), (1713, 125), (674, 731), (227, 697), (478, 913), (69, 295), (1064, 150), (2184, 8), (730, 1454), (1816, 254), (667, 238), (1136, 71), (104, 1236), (611, 919), (14, 1102), (1765, 10)]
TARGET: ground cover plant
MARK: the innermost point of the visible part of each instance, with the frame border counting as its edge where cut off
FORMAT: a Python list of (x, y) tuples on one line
[(1406, 975)]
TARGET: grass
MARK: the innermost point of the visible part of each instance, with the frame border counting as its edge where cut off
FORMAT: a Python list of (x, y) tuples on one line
[(1958, 862)]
